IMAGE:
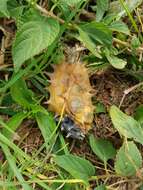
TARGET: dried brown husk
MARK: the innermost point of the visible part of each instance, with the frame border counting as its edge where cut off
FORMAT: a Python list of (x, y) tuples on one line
[(70, 93)]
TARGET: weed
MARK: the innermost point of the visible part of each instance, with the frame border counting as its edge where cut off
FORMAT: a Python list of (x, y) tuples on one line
[(35, 35)]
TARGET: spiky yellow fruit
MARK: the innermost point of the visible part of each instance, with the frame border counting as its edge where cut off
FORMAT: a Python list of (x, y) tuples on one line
[(70, 93)]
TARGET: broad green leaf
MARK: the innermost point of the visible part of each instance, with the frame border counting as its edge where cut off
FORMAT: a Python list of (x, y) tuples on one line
[(102, 6), (126, 125), (141, 187), (15, 9), (100, 187), (109, 18), (128, 160), (6, 128), (70, 3), (21, 94), (3, 8), (113, 60), (100, 108), (13, 124), (11, 188), (47, 126), (87, 41), (29, 15), (99, 33), (102, 148), (135, 42), (116, 62), (68, 186), (78, 167), (119, 26), (38, 108), (116, 7), (139, 114), (68, 6), (33, 37)]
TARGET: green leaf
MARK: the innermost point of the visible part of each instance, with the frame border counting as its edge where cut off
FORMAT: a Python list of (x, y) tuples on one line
[(29, 15), (119, 26), (141, 187), (18, 151), (15, 9), (21, 94), (139, 114), (15, 169), (102, 148), (100, 187), (84, 38), (102, 6), (126, 125), (135, 42), (78, 167), (100, 108), (115, 61), (33, 37), (38, 108), (47, 126), (99, 33), (116, 7), (3, 8), (7, 129), (69, 5), (128, 160), (14, 123), (6, 105)]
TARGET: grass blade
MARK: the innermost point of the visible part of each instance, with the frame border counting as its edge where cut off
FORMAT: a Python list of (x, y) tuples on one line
[(13, 166)]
